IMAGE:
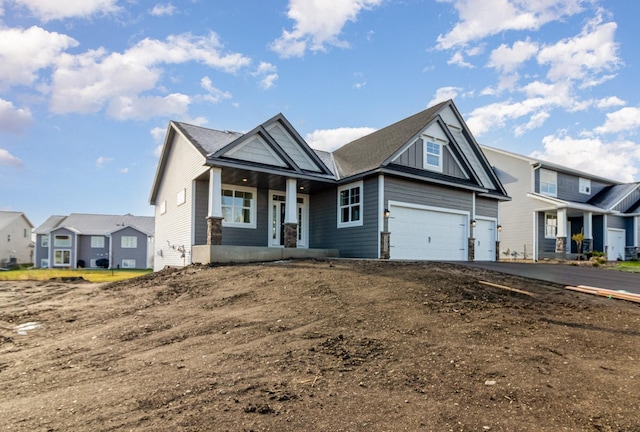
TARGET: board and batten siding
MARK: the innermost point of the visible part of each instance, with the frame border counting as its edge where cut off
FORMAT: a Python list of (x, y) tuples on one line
[(173, 229), (517, 215), (352, 242), (413, 157), (568, 186), (628, 201)]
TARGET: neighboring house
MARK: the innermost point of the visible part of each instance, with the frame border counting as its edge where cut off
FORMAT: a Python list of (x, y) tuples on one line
[(418, 189), (16, 246), (93, 241), (551, 203)]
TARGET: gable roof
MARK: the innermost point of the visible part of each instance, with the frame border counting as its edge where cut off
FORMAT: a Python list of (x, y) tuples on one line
[(8, 217), (609, 197), (97, 224)]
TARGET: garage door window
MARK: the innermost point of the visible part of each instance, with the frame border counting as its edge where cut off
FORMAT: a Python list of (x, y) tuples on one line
[(350, 205)]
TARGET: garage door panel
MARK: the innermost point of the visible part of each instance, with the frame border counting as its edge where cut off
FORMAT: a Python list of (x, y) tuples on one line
[(427, 234)]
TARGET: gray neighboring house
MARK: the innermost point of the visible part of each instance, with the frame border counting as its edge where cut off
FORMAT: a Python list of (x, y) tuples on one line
[(419, 189), (95, 240), (550, 203), (16, 246)]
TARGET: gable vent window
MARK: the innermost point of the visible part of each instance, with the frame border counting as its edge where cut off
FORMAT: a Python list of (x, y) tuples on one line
[(433, 156), (350, 205), (585, 186)]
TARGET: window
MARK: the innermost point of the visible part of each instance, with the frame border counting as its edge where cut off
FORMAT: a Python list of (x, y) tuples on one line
[(129, 242), (44, 240), (25, 233), (128, 263), (350, 205), (181, 197), (62, 241), (550, 225), (93, 263), (44, 263), (548, 182), (97, 242), (62, 257), (238, 206), (163, 207), (584, 186), (433, 155)]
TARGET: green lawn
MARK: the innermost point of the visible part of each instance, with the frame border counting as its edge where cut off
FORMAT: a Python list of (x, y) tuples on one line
[(89, 275), (628, 266)]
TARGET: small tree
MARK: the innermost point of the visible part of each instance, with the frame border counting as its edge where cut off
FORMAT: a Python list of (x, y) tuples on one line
[(578, 238)]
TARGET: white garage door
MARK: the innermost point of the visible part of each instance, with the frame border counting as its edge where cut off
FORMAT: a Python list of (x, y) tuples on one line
[(485, 235), (615, 241), (422, 234)]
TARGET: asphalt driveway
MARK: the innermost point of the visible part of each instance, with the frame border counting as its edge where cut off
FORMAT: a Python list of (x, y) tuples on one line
[(566, 274)]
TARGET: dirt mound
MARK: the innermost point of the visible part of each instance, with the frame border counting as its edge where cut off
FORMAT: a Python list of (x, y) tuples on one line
[(317, 346)]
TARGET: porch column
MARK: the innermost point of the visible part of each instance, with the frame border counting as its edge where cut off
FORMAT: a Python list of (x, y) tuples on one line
[(214, 215), (291, 215), (561, 236), (587, 223)]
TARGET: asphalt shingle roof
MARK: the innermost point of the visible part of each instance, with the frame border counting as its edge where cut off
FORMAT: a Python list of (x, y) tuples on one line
[(97, 224), (209, 140)]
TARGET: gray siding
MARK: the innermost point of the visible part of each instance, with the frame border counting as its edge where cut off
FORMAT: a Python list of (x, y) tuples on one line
[(629, 201), (569, 187), (616, 222), (40, 252), (629, 225), (546, 246), (486, 207), (200, 212), (598, 233), (352, 242), (396, 189), (251, 236), (118, 253), (53, 248), (86, 253), (413, 157)]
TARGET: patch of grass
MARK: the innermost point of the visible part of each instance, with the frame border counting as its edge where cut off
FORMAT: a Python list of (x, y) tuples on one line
[(101, 275), (628, 266)]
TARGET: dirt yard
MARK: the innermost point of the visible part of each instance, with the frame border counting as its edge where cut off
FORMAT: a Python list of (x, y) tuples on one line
[(316, 346)]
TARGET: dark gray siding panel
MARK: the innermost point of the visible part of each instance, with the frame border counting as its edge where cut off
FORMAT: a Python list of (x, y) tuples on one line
[(414, 157), (598, 233), (139, 253), (402, 190), (630, 234), (616, 222), (352, 242), (200, 210), (251, 236), (40, 252), (546, 246), (569, 187), (487, 207), (86, 253), (629, 201), (52, 236)]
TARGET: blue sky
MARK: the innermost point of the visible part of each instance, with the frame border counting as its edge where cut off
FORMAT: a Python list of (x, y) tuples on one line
[(87, 88)]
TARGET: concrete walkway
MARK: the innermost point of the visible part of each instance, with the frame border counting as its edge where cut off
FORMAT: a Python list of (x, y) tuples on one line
[(565, 274)]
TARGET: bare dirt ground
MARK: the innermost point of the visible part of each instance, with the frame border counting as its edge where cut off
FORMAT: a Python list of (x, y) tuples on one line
[(317, 346)]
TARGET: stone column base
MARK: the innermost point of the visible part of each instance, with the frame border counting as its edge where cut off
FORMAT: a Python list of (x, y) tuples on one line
[(291, 235), (472, 249), (214, 231), (385, 245), (497, 250)]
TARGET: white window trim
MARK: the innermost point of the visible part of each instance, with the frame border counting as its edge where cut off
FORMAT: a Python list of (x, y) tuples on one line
[(44, 240), (426, 141), (555, 216), (553, 174), (55, 238), (55, 264), (97, 242), (584, 186), (359, 222), (127, 244), (253, 210), (44, 263), (128, 261)]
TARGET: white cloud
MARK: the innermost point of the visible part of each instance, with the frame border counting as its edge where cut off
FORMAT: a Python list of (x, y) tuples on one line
[(583, 57), (12, 119), (318, 23), (8, 159), (482, 18), (102, 160), (87, 82), (215, 95), (25, 52), (124, 171), (267, 74), (616, 160), (163, 9), (458, 59), (497, 114), (535, 121), (47, 10), (507, 59), (609, 102), (623, 120), (331, 139), (443, 94)]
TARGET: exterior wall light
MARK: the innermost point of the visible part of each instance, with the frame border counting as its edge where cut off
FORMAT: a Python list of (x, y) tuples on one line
[(387, 213), (499, 228), (473, 223)]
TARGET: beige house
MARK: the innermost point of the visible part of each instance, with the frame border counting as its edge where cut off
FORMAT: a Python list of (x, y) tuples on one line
[(16, 246)]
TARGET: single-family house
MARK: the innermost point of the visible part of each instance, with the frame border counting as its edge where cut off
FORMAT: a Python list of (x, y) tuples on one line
[(419, 189), (16, 246), (95, 240), (552, 203)]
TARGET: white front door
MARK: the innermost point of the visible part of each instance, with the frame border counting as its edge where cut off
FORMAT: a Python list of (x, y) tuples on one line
[(615, 244), (485, 237), (277, 202)]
